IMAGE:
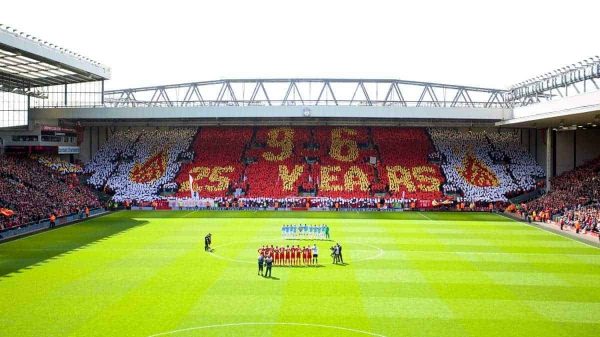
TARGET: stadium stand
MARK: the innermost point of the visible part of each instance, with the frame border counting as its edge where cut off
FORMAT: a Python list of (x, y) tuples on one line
[(483, 166), (358, 164), (34, 191), (138, 165), (574, 196), (583, 218), (57, 164), (405, 164), (521, 165), (277, 152), (116, 149), (344, 171), (217, 166)]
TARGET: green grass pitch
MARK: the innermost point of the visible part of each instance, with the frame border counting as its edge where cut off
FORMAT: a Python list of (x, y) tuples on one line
[(409, 274)]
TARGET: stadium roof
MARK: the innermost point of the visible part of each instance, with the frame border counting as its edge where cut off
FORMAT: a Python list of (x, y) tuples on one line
[(27, 61), (306, 92)]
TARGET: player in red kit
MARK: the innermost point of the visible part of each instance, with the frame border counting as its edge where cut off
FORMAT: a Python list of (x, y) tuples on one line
[(288, 256), (275, 255), (297, 255), (281, 256), (271, 251), (304, 255)]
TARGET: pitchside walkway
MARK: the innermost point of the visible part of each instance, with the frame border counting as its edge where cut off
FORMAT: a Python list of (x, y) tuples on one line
[(588, 238), (44, 225)]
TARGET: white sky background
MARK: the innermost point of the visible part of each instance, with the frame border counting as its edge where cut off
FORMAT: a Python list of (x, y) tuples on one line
[(479, 43)]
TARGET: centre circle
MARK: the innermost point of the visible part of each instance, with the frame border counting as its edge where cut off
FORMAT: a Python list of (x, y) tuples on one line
[(248, 324)]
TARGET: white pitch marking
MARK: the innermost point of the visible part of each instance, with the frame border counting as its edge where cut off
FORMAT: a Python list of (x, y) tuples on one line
[(562, 236), (547, 230), (259, 323), (190, 213)]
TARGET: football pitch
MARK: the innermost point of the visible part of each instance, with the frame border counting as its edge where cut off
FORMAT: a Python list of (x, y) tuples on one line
[(143, 273)]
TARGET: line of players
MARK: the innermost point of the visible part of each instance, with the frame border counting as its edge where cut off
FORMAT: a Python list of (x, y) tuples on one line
[(314, 232), (291, 256)]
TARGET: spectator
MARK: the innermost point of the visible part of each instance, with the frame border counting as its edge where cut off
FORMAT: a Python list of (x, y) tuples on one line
[(34, 191)]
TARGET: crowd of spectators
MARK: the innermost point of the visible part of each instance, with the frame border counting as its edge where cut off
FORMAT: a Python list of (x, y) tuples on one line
[(484, 166), (297, 202), (34, 192), (574, 195), (520, 163), (57, 164), (118, 147), (273, 147), (334, 162), (284, 162), (217, 168), (411, 149), (583, 218), (138, 163)]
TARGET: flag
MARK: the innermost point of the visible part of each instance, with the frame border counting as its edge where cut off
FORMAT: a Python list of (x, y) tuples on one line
[(191, 186), (6, 212)]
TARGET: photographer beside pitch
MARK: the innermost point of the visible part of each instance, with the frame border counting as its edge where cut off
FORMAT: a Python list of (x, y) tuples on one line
[(269, 264), (207, 242), (336, 254)]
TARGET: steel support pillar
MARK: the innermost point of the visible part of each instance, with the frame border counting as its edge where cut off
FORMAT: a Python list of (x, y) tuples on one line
[(549, 159)]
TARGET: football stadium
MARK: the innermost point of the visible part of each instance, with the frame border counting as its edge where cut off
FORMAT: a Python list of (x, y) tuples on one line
[(295, 206)]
